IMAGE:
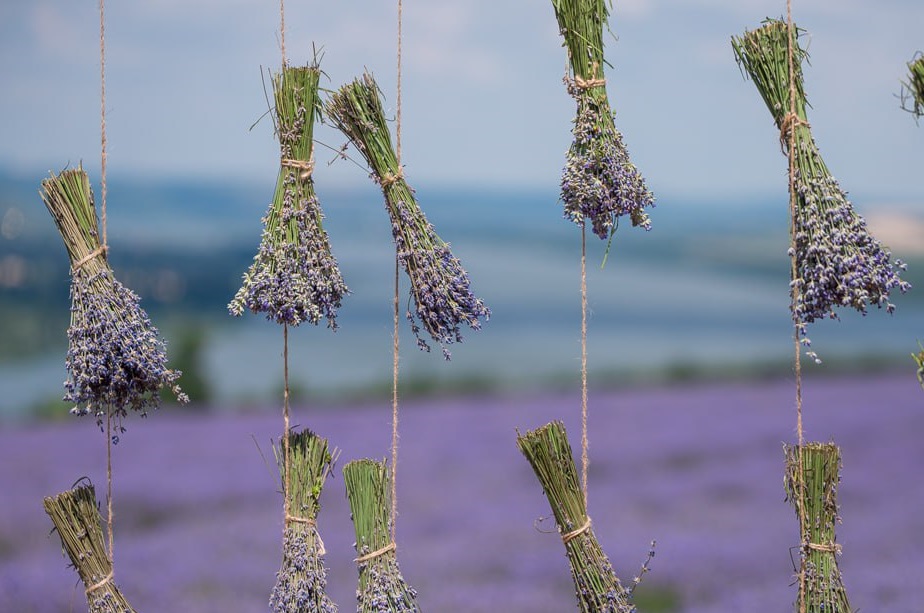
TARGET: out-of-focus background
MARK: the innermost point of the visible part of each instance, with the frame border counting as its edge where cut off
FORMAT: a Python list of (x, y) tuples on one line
[(702, 297)]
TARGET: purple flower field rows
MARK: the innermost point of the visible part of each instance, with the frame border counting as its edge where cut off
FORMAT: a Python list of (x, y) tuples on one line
[(697, 467)]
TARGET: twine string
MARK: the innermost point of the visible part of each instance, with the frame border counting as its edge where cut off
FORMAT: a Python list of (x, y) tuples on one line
[(582, 83), (285, 419), (101, 250), (282, 30), (306, 168), (388, 180), (585, 457), (569, 536), (374, 554), (826, 547), (787, 129), (100, 584), (311, 523)]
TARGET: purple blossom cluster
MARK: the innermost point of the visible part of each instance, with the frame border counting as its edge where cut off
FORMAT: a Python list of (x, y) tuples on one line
[(382, 588), (115, 358), (302, 581), (599, 182), (443, 299), (293, 279), (838, 262)]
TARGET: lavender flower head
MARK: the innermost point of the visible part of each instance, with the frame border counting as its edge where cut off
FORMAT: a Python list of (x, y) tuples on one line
[(116, 359), (440, 287), (302, 580), (294, 276), (599, 182), (836, 261)]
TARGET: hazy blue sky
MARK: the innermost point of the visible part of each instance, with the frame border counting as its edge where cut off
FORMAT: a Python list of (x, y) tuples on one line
[(482, 93)]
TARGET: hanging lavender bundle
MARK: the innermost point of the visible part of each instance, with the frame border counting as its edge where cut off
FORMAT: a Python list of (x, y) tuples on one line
[(599, 182), (76, 518), (443, 299), (811, 487), (115, 358), (912, 95), (294, 277), (838, 262), (596, 585), (301, 582), (381, 589)]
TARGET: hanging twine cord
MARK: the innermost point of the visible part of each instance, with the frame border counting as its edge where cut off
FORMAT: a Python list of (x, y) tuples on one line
[(287, 467), (374, 554), (395, 355), (282, 30), (585, 456)]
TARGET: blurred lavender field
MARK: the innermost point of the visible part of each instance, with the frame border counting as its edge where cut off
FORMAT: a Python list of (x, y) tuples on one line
[(697, 466)]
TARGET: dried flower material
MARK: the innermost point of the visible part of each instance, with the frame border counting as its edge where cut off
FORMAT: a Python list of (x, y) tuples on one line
[(381, 589), (115, 358), (443, 300), (294, 276), (596, 585), (301, 582), (811, 487), (76, 518), (599, 182), (912, 95), (919, 362), (838, 263)]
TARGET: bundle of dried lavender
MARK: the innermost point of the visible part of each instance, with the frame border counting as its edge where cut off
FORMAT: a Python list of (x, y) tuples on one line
[(597, 587), (838, 262), (76, 518), (382, 588), (599, 182), (294, 276), (439, 285), (812, 475), (115, 358), (302, 580), (912, 95)]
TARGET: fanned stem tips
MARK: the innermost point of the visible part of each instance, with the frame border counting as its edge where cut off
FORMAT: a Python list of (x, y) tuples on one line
[(440, 287), (301, 582), (381, 589), (294, 276), (597, 587), (811, 483), (116, 359), (76, 518), (912, 95), (838, 262), (599, 181)]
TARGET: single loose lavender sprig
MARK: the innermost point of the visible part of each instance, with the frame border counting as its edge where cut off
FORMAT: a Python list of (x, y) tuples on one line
[(838, 263), (382, 588), (912, 95), (301, 582), (115, 358), (811, 483), (294, 276), (75, 515), (599, 182), (597, 588), (443, 300)]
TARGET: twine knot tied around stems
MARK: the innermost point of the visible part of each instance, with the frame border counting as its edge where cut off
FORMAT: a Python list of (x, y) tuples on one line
[(834, 548), (101, 250), (378, 552), (787, 125), (306, 167), (568, 536), (389, 179), (582, 83), (100, 584)]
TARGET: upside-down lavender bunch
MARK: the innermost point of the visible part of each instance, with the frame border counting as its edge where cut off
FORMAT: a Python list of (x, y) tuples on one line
[(599, 182), (596, 585), (811, 487), (837, 262), (115, 357), (443, 300), (294, 276), (912, 95), (301, 582), (382, 588), (76, 518)]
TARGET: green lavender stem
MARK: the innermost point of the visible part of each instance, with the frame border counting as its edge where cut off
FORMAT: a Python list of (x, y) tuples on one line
[(912, 95)]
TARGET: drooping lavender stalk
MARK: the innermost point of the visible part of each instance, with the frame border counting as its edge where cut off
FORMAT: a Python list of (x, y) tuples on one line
[(76, 518), (301, 582), (597, 588), (599, 181), (294, 276), (115, 359), (443, 299), (838, 262), (382, 588), (812, 477), (912, 95)]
